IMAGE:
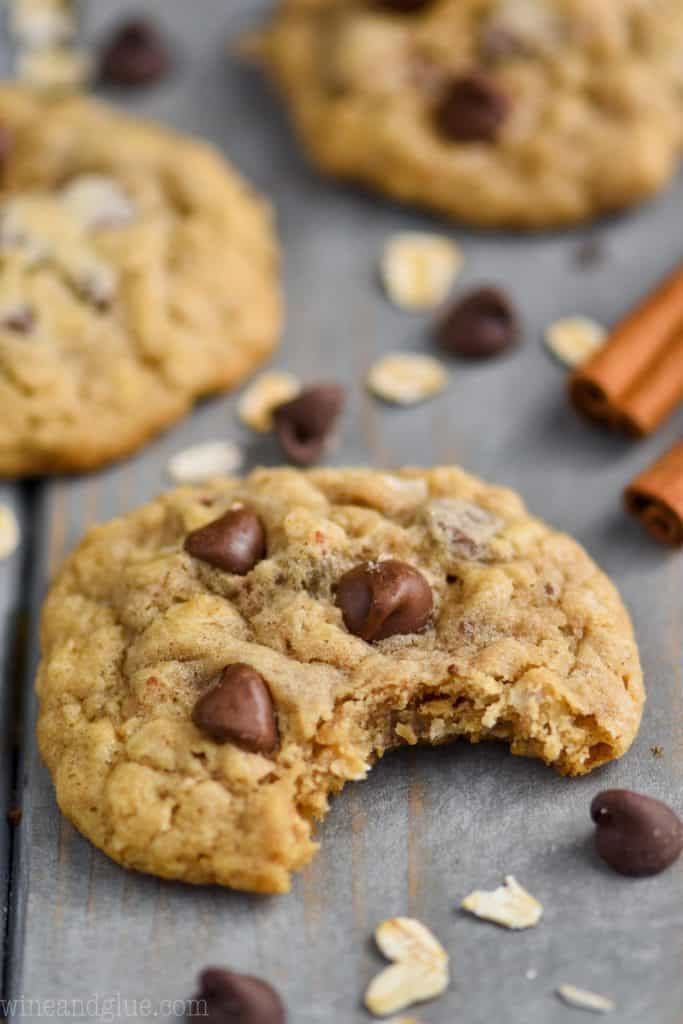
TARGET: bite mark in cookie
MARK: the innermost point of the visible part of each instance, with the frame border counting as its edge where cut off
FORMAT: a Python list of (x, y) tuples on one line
[(198, 708)]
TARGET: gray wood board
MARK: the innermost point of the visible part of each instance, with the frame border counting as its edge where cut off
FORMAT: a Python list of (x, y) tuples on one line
[(428, 826), (12, 629)]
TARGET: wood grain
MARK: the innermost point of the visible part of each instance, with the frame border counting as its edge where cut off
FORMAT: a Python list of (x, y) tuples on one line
[(427, 826)]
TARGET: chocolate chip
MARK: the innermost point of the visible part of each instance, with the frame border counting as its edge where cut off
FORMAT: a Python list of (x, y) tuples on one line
[(636, 834), (238, 708), (135, 55), (402, 6), (472, 109), (234, 542), (225, 997), (304, 424), (480, 325), (381, 599)]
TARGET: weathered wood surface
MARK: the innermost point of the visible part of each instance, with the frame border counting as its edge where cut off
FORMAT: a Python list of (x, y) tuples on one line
[(428, 826), (12, 632)]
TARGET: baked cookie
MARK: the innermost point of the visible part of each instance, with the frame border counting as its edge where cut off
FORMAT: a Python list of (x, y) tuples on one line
[(137, 272), (527, 113), (218, 663)]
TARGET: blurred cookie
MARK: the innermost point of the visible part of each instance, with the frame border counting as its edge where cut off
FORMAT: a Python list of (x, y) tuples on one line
[(137, 272), (527, 113)]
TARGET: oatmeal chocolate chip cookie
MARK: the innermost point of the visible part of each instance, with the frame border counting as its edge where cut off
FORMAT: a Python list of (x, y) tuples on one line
[(217, 664), (528, 113), (137, 272)]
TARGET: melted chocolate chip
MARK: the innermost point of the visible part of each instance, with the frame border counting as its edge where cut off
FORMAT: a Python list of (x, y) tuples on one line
[(381, 599), (135, 55), (225, 997), (304, 424), (239, 708), (472, 109), (482, 324), (234, 542), (636, 834)]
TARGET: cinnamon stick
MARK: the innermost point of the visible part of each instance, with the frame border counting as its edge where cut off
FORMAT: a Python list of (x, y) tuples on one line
[(636, 379), (656, 497)]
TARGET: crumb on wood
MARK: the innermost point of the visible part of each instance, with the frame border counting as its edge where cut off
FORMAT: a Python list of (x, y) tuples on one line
[(589, 253)]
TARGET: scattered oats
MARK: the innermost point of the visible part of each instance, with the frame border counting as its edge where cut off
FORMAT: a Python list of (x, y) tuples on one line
[(39, 23), (267, 392), (574, 338), (584, 1000), (54, 70), (96, 201), (419, 971), (9, 531), (657, 751), (406, 378), (509, 905), (418, 269), (201, 462)]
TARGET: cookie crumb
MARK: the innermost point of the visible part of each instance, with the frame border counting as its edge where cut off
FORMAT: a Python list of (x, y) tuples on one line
[(419, 970), (582, 999), (405, 378), (201, 462), (9, 532), (418, 269), (589, 253), (407, 733), (657, 751), (509, 905), (255, 408), (574, 338)]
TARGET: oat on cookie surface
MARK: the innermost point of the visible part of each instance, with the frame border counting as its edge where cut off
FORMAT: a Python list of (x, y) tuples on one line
[(137, 272), (205, 686), (499, 112)]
